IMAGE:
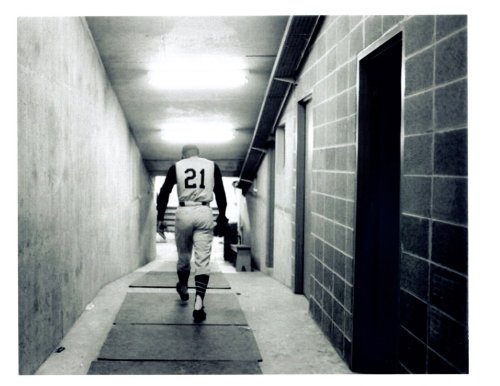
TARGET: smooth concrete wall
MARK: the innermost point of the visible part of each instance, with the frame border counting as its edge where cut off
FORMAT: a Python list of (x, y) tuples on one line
[(254, 208), (283, 205), (86, 212), (254, 217)]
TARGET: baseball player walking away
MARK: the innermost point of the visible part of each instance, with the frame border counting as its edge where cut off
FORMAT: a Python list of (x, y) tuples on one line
[(197, 180)]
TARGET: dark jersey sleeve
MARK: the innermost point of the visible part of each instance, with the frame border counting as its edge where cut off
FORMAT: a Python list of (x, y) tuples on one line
[(162, 199), (220, 194)]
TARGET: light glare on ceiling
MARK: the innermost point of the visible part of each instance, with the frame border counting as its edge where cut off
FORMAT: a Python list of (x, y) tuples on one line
[(186, 80), (195, 132), (198, 72)]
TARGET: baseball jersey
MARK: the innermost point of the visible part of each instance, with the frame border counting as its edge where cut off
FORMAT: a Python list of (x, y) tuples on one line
[(195, 179)]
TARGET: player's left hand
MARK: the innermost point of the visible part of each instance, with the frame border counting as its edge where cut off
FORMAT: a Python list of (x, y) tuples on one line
[(220, 228)]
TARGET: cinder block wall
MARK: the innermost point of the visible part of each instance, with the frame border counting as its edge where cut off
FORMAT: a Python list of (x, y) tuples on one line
[(433, 336), (86, 212), (433, 307), (329, 76)]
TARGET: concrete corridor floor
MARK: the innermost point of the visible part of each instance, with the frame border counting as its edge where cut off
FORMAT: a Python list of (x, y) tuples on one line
[(288, 339)]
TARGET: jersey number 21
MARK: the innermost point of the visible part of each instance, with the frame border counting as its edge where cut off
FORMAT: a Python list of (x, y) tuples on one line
[(191, 175)]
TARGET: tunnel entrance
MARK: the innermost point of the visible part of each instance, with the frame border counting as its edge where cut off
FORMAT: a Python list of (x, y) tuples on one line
[(377, 245)]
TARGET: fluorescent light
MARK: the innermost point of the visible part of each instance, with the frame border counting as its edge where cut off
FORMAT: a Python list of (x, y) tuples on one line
[(197, 132), (198, 72), (192, 79), (174, 61), (196, 136)]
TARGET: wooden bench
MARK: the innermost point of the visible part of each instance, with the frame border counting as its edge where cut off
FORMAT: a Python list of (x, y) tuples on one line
[(243, 257)]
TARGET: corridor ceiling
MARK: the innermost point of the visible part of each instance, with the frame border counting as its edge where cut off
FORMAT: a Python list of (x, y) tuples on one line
[(196, 55)]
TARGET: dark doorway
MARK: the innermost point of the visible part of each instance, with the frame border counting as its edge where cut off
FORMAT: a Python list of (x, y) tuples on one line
[(303, 258), (377, 247), (271, 153)]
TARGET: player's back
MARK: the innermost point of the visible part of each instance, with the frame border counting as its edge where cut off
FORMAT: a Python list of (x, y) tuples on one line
[(195, 179)]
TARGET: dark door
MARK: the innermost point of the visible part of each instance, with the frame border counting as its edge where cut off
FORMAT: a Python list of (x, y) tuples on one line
[(303, 258), (377, 248), (271, 153)]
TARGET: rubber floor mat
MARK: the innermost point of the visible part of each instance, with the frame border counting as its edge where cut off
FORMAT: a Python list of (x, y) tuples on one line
[(180, 342), (167, 308), (171, 266), (173, 367), (155, 279)]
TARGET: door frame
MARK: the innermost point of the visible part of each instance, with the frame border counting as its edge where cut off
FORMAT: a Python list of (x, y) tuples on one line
[(302, 198), (271, 204)]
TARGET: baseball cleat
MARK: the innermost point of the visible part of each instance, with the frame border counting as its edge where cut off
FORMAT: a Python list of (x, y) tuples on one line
[(199, 315), (182, 291)]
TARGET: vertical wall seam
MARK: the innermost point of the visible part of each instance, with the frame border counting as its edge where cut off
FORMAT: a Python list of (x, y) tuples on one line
[(429, 276)]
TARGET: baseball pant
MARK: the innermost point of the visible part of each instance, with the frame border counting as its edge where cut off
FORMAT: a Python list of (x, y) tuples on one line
[(194, 228)]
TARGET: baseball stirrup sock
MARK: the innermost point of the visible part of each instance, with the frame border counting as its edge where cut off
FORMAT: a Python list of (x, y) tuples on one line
[(183, 277), (201, 282)]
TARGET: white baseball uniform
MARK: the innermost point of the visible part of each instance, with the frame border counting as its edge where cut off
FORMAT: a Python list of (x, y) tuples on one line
[(194, 221), (197, 180)]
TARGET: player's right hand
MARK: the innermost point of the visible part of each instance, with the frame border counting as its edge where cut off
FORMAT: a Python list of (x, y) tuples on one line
[(161, 226)]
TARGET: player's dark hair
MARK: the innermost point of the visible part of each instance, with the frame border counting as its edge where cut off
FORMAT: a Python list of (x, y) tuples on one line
[(190, 150)]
